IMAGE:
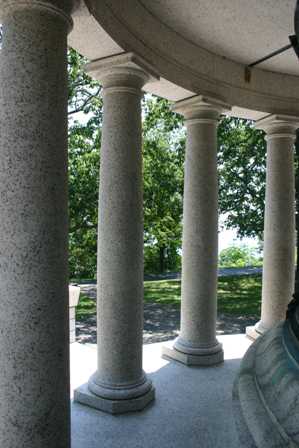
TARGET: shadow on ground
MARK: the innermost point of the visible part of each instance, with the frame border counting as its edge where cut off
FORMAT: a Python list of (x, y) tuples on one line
[(193, 408), (162, 321)]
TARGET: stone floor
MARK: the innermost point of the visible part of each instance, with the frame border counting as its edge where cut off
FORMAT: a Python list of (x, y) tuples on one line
[(193, 406)]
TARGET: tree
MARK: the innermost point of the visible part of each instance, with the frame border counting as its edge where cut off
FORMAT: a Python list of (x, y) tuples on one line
[(85, 118), (239, 256), (84, 160), (163, 153), (241, 156), (242, 174), (163, 179), (83, 91)]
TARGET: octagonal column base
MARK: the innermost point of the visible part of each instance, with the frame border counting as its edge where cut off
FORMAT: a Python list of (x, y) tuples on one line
[(115, 400), (194, 357)]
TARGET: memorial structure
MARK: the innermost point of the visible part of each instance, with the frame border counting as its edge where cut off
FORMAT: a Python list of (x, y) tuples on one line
[(209, 59)]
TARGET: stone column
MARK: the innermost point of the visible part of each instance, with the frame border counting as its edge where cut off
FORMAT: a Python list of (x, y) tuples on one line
[(279, 225), (34, 328), (120, 385), (197, 343)]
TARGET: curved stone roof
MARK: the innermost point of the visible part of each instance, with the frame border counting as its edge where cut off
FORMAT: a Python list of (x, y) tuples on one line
[(200, 47)]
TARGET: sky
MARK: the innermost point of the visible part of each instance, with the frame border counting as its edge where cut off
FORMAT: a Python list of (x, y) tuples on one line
[(229, 238)]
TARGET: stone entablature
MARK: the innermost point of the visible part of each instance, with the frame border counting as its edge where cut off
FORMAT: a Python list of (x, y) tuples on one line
[(185, 67)]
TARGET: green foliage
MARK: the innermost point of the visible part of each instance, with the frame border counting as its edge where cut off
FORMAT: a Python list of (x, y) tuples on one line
[(242, 173), (83, 196), (163, 176), (239, 256), (163, 154), (157, 260), (83, 91), (85, 117), (86, 307)]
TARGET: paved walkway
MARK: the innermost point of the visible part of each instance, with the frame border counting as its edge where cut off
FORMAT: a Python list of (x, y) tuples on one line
[(193, 406), (222, 272), (162, 321)]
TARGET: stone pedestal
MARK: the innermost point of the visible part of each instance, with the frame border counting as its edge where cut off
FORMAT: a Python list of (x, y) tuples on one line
[(74, 295), (279, 227), (197, 343), (266, 391), (120, 385), (34, 323)]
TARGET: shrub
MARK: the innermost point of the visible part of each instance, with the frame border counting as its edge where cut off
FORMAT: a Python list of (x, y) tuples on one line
[(239, 256)]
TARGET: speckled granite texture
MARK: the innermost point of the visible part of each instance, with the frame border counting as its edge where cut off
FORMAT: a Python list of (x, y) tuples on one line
[(279, 225), (34, 359), (120, 247), (197, 339)]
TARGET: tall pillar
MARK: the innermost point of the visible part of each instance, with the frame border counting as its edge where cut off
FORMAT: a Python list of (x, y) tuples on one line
[(197, 343), (34, 329), (279, 224), (120, 385)]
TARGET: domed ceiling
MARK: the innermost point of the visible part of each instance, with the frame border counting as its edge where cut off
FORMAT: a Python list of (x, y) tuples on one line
[(200, 47), (241, 30)]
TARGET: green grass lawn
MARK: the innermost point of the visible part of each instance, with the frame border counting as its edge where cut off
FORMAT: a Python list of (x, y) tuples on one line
[(237, 295), (86, 307)]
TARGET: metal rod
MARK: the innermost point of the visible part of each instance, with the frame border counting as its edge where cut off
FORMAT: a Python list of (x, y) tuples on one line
[(271, 55)]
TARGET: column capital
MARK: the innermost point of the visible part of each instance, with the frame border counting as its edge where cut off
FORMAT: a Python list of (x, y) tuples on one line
[(122, 72), (201, 109), (279, 126), (60, 8)]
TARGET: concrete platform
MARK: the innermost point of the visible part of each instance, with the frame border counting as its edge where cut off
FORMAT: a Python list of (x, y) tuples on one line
[(193, 406)]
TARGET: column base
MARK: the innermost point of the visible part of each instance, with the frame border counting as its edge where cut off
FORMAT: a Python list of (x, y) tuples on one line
[(255, 331), (191, 356), (115, 400)]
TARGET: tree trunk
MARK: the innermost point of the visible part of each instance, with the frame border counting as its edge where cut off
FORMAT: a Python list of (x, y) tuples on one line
[(162, 259)]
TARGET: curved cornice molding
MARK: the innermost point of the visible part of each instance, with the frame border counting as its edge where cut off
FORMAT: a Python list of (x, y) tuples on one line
[(194, 68)]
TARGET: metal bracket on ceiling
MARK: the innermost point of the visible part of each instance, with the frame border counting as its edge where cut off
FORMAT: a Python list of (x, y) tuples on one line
[(293, 44)]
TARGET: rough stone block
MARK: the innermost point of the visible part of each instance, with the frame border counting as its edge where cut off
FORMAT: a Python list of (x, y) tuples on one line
[(74, 295)]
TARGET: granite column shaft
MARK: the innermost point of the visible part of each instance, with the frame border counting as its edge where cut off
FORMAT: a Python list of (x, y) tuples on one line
[(279, 224), (34, 329), (197, 343), (120, 385)]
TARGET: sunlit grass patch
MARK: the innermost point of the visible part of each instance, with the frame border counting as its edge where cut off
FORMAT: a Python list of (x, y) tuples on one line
[(240, 295), (86, 307), (163, 291), (237, 295)]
